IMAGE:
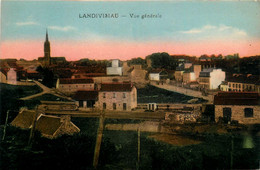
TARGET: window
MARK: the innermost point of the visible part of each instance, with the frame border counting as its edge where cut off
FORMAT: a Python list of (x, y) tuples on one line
[(124, 95), (239, 85), (114, 106), (249, 112), (233, 85), (104, 95), (76, 85), (104, 106), (114, 95)]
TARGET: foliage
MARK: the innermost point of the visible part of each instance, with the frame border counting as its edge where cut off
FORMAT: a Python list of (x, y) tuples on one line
[(138, 61), (162, 60)]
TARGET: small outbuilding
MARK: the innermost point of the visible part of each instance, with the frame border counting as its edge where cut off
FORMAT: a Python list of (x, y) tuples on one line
[(243, 107)]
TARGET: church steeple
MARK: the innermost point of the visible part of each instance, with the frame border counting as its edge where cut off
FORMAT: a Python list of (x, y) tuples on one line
[(47, 39), (47, 50)]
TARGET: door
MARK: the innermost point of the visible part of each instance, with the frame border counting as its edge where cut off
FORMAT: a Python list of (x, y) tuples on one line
[(104, 106), (124, 106), (114, 106), (227, 113), (81, 103)]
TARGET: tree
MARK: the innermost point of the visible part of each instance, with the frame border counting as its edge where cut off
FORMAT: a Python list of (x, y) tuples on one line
[(162, 60), (48, 76)]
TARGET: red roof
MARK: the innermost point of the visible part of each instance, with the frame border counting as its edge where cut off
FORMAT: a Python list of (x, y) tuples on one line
[(116, 87), (237, 98), (76, 81)]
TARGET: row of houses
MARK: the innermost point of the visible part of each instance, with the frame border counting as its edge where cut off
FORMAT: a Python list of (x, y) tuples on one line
[(191, 74), (241, 83)]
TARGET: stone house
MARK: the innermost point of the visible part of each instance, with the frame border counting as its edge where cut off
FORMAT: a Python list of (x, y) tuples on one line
[(243, 83), (48, 126), (137, 74), (115, 68), (158, 75), (72, 85), (188, 77), (211, 78), (179, 75), (53, 126), (117, 96), (86, 98), (183, 67), (11, 76), (3, 76), (187, 73), (126, 69), (224, 86), (243, 107)]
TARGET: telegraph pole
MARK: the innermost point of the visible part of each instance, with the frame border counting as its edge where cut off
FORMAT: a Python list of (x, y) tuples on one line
[(99, 139), (6, 121), (231, 152), (33, 127), (138, 148)]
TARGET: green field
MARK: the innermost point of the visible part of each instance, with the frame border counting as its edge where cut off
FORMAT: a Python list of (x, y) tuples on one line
[(119, 150), (9, 98)]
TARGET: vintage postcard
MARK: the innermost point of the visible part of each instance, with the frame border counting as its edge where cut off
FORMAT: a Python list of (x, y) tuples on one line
[(130, 84)]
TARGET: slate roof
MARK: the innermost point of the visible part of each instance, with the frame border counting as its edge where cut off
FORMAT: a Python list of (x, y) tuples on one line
[(48, 125), (86, 95), (253, 79), (116, 87), (24, 119), (76, 81), (206, 72), (237, 98)]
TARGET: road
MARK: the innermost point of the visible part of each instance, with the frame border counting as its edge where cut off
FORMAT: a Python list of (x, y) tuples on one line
[(46, 90), (185, 91)]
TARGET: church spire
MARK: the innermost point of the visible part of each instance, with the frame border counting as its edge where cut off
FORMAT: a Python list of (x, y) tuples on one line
[(47, 39)]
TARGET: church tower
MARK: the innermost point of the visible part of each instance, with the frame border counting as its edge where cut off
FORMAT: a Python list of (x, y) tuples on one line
[(47, 51)]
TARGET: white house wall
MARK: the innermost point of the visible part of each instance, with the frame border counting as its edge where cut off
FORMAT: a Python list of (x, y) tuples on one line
[(216, 78)]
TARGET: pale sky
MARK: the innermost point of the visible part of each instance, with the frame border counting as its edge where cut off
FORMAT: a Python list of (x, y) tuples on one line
[(181, 27)]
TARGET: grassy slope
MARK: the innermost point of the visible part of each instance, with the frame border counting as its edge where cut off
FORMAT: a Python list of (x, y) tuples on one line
[(151, 94)]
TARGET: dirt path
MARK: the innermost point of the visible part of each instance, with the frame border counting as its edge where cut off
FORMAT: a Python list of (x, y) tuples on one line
[(46, 90)]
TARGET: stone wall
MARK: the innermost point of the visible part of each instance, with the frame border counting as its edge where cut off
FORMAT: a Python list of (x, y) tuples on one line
[(183, 116), (238, 113)]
